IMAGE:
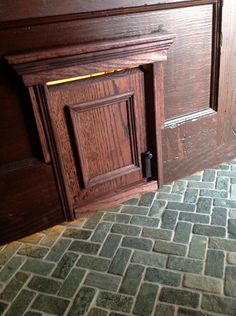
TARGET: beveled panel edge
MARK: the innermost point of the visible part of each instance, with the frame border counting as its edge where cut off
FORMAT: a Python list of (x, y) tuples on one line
[(172, 123), (128, 98)]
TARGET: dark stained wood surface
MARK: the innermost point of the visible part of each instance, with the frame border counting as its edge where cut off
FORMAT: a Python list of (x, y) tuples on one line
[(187, 144), (18, 132), (40, 127), (96, 128), (107, 139), (113, 198), (29, 200), (227, 90), (15, 10), (108, 142), (188, 71), (211, 139), (158, 41)]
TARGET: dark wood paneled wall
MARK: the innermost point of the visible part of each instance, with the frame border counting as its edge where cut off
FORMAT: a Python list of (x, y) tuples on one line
[(195, 135)]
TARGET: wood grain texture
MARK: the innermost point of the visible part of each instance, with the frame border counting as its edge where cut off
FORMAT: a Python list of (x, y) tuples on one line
[(105, 141), (40, 127), (115, 197), (96, 128), (193, 29), (211, 135), (106, 137), (69, 9), (41, 94), (227, 91), (133, 45), (187, 144), (18, 131), (158, 88), (99, 56), (29, 201), (190, 68)]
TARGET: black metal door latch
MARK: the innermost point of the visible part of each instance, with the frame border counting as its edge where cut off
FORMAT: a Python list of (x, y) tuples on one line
[(147, 164)]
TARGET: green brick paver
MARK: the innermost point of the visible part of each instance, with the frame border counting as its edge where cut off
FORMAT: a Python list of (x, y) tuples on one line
[(10, 268), (64, 265), (163, 276), (103, 281), (72, 282), (120, 261), (93, 263), (114, 301), (20, 304), (132, 279), (146, 299), (46, 285), (82, 301), (14, 286), (180, 297), (166, 253), (50, 304)]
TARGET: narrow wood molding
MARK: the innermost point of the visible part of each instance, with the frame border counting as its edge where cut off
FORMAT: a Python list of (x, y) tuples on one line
[(116, 197), (41, 66), (97, 12), (18, 165), (25, 62), (172, 123)]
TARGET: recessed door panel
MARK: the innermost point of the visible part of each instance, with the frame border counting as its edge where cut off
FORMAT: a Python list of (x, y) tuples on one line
[(100, 129), (106, 136)]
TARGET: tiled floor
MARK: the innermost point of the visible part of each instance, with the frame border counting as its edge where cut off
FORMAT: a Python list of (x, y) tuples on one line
[(172, 252)]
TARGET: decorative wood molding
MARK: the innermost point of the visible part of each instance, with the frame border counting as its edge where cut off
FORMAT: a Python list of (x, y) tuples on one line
[(64, 62), (26, 62), (216, 52), (41, 95), (172, 123), (126, 100), (39, 123)]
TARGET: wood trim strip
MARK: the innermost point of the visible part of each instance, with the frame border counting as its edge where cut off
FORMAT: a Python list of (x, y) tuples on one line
[(127, 8), (216, 50), (41, 132), (47, 65), (161, 39), (172, 123), (115, 197), (158, 86), (41, 93)]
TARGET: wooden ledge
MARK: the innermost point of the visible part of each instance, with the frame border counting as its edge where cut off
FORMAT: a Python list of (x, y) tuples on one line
[(162, 39), (38, 67)]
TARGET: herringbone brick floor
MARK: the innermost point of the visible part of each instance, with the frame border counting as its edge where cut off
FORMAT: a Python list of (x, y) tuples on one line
[(171, 252)]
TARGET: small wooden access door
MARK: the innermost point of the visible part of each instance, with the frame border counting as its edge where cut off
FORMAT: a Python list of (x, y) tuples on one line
[(99, 131), (100, 127)]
